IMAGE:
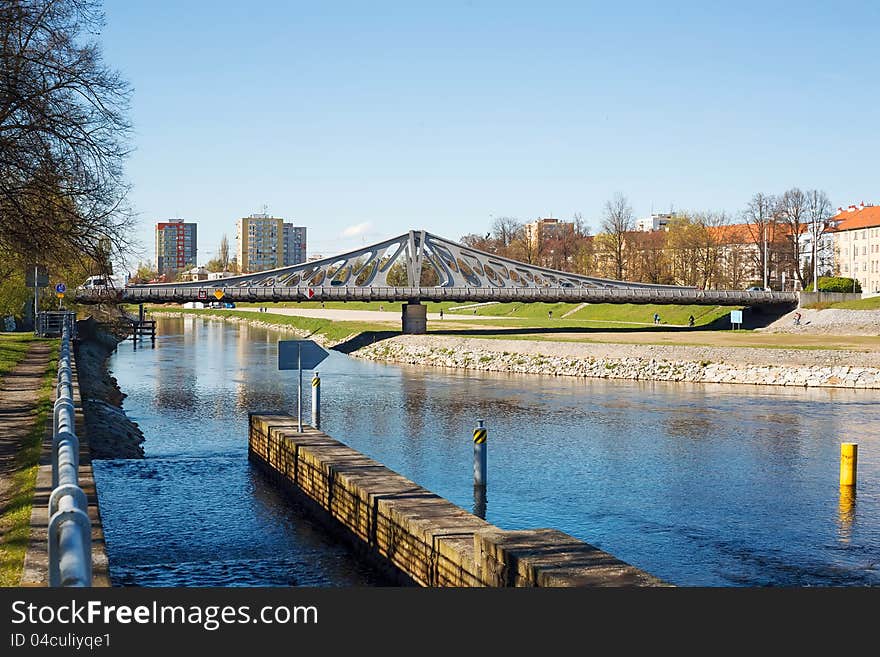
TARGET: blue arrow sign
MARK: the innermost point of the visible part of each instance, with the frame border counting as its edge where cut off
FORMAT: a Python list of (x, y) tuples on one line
[(61, 288), (293, 354)]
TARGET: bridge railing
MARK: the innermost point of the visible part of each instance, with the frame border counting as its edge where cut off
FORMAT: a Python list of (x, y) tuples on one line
[(512, 294), (70, 530)]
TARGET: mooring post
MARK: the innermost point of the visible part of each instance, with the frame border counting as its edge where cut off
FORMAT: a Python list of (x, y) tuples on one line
[(480, 435), (849, 457), (316, 401)]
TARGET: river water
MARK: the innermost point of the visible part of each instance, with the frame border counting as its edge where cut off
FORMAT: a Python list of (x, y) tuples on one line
[(699, 484)]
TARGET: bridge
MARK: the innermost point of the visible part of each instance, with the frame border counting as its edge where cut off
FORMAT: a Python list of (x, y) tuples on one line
[(419, 266)]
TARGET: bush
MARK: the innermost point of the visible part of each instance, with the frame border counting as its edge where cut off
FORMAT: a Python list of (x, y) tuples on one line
[(836, 284)]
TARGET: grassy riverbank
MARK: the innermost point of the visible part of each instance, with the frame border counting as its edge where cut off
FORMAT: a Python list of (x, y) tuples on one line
[(600, 313), (324, 329), (13, 347), (541, 330), (15, 518)]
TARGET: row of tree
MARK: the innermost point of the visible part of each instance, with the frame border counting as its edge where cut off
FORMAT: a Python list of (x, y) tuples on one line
[(63, 139), (696, 248)]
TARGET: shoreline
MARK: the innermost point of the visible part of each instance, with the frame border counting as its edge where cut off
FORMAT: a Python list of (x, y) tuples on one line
[(112, 434), (606, 360)]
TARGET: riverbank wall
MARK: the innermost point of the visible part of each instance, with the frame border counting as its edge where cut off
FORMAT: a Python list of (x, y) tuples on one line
[(414, 535), (635, 362), (112, 434)]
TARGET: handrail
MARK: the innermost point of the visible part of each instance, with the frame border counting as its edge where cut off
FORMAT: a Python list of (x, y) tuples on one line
[(70, 530)]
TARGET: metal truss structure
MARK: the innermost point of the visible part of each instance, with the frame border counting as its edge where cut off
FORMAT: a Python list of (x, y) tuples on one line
[(420, 266), (404, 257)]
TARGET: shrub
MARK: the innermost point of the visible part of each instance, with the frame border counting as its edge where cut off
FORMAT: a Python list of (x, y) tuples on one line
[(836, 284)]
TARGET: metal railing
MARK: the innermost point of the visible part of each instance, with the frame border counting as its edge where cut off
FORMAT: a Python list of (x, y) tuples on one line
[(70, 530), (51, 323), (462, 294)]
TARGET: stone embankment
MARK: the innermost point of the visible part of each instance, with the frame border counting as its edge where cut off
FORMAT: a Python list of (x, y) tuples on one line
[(112, 435), (780, 367), (830, 321)]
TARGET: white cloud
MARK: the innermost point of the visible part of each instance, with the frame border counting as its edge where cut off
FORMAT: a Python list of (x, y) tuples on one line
[(357, 229)]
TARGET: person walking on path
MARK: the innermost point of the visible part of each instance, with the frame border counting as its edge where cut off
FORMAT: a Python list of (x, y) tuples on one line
[(441, 313), (691, 321), (656, 318)]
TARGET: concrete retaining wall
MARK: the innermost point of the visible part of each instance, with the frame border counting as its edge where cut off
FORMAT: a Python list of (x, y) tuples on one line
[(807, 298), (415, 534)]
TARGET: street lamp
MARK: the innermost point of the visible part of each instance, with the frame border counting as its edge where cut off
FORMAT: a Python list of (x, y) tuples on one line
[(766, 256)]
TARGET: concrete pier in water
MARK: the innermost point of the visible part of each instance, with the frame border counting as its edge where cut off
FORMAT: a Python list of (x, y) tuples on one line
[(414, 534)]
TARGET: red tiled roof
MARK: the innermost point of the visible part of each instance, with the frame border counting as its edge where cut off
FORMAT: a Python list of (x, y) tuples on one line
[(749, 233), (861, 217)]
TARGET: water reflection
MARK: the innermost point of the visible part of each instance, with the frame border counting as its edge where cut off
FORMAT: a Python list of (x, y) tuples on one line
[(846, 507), (699, 484)]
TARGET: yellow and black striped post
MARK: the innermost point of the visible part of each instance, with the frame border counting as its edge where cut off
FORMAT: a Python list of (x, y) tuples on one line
[(316, 401), (480, 448)]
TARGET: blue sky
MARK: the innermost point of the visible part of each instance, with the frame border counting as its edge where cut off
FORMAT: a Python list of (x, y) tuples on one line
[(361, 120)]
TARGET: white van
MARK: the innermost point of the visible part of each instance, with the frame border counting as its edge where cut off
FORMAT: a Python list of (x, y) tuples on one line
[(103, 283)]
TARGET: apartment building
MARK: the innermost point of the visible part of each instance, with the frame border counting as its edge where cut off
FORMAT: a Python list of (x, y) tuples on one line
[(265, 242), (176, 246), (856, 234)]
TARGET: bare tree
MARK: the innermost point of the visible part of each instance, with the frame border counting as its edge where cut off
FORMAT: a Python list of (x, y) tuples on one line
[(818, 214), (505, 230), (616, 223), (479, 242), (710, 239), (223, 253), (792, 211), (63, 135), (759, 217)]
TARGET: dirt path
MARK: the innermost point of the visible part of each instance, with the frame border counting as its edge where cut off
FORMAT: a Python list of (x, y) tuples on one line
[(19, 392)]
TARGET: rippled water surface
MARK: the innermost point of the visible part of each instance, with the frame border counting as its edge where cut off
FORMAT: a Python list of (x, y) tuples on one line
[(706, 485)]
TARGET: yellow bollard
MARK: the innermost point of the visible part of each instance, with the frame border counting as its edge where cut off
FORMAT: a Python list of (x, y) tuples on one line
[(849, 457)]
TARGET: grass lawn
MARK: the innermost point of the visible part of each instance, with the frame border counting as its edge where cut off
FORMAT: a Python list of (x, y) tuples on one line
[(13, 347), (567, 330), (627, 313), (15, 519)]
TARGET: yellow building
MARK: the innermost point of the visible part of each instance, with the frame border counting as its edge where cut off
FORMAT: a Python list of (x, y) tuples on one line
[(260, 241), (548, 228), (856, 232), (265, 242)]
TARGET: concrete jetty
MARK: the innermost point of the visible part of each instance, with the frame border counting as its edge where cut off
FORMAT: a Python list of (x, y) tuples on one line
[(415, 535)]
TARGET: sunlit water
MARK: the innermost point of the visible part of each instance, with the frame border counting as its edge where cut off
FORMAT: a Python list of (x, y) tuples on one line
[(707, 485)]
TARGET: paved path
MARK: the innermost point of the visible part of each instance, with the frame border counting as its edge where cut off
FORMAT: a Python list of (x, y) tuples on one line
[(19, 392)]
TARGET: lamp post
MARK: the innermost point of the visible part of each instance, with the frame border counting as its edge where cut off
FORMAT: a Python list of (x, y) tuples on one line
[(766, 256)]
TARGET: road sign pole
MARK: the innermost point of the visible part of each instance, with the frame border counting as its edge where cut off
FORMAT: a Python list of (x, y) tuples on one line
[(299, 396), (36, 295)]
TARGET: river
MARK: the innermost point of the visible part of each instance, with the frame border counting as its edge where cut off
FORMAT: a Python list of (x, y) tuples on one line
[(698, 484)]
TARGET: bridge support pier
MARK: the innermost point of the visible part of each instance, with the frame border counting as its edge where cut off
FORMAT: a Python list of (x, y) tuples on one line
[(414, 318)]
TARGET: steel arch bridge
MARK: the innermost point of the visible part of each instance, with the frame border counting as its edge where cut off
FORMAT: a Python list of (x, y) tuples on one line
[(462, 274)]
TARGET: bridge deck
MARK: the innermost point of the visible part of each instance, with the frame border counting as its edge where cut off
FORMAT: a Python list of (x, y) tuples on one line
[(171, 294)]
